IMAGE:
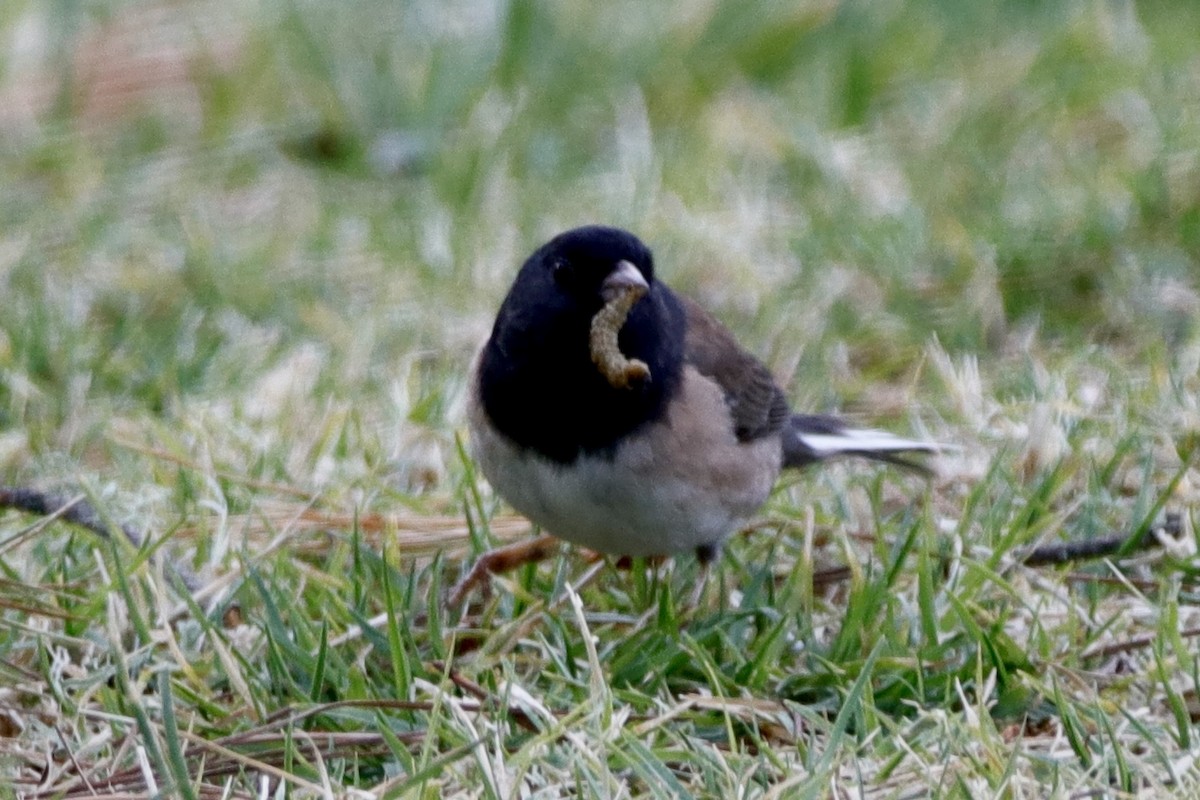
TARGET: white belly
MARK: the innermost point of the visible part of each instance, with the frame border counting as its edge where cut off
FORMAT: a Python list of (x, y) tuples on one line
[(680, 484)]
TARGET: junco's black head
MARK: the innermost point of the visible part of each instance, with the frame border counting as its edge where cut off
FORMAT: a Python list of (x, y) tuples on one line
[(536, 377), (584, 261), (567, 277)]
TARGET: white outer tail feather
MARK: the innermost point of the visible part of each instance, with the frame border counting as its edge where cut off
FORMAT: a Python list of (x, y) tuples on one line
[(862, 440)]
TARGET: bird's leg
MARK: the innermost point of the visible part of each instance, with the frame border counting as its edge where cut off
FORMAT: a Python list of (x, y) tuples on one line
[(706, 554), (502, 559)]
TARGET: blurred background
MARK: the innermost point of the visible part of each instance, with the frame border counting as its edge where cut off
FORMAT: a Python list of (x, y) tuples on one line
[(290, 222)]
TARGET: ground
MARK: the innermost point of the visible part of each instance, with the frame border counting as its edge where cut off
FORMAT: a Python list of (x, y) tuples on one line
[(247, 250)]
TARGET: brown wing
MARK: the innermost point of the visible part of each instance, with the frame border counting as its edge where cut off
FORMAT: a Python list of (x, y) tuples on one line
[(756, 402)]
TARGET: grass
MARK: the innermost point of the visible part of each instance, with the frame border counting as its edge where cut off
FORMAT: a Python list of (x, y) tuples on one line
[(247, 251)]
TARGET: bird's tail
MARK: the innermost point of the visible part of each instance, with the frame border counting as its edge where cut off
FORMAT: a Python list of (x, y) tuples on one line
[(809, 438)]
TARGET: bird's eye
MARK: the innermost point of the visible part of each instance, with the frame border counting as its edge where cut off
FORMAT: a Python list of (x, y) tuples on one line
[(560, 269)]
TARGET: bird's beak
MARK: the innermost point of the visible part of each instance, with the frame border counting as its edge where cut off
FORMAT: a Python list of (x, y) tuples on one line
[(626, 276)]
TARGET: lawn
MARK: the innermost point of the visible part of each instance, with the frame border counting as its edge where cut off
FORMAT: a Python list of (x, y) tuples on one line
[(247, 250)]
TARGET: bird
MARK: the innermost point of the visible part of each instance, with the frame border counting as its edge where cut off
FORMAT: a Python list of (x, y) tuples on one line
[(674, 460)]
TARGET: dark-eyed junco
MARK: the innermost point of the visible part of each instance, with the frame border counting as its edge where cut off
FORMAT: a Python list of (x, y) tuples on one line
[(671, 463)]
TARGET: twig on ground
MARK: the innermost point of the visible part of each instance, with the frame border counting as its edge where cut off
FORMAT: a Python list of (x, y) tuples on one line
[(1064, 552), (78, 511)]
